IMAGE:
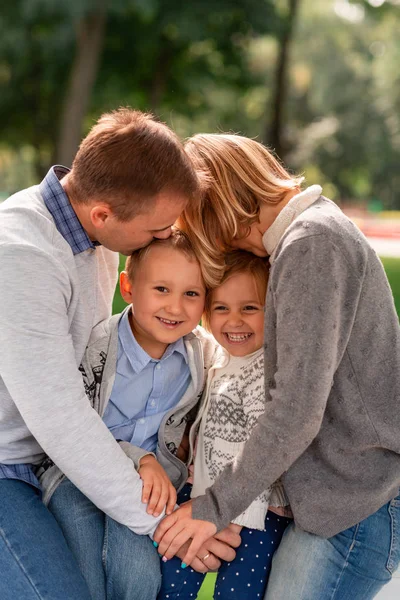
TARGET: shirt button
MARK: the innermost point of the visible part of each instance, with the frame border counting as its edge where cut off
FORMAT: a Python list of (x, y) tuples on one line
[(158, 366), (152, 403), (141, 421)]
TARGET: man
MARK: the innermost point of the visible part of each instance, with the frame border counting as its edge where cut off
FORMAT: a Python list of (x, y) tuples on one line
[(58, 268)]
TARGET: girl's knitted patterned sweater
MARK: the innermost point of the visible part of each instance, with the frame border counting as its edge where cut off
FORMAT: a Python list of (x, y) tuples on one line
[(233, 400)]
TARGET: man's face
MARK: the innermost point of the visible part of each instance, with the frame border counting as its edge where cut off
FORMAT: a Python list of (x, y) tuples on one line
[(127, 236)]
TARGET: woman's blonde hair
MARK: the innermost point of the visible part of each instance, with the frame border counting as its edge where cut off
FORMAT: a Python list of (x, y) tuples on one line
[(235, 263), (237, 176)]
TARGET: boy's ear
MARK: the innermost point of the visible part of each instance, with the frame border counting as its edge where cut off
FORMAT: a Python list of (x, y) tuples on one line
[(125, 287)]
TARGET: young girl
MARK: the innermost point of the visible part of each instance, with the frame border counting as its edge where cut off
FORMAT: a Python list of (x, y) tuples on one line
[(232, 402)]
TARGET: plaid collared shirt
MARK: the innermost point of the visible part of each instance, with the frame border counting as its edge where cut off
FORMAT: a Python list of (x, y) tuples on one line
[(58, 204), (68, 224)]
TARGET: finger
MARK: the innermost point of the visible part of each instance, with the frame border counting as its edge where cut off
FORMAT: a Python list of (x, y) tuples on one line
[(198, 539), (162, 501), (164, 526), (171, 501), (154, 498), (221, 550), (146, 492), (169, 537), (199, 566), (211, 562), (229, 537), (180, 539)]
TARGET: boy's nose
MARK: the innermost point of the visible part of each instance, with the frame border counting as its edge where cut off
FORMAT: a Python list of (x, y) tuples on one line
[(174, 307)]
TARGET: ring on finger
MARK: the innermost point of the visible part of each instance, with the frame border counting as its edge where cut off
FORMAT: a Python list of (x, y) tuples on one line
[(205, 557)]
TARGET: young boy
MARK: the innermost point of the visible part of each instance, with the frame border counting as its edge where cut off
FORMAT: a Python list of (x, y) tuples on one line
[(143, 371)]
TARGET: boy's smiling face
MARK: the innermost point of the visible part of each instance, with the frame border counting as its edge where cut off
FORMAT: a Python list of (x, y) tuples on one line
[(167, 296)]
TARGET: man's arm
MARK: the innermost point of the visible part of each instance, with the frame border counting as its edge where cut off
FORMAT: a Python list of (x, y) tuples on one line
[(315, 294), (39, 368)]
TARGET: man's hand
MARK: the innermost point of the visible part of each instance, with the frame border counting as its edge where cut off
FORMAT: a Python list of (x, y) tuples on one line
[(178, 528), (158, 491)]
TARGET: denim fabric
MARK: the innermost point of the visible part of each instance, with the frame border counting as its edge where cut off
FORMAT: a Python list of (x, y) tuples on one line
[(353, 565), (35, 561), (116, 563), (244, 578)]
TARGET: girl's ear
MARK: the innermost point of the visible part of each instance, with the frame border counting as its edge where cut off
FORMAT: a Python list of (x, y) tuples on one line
[(125, 287)]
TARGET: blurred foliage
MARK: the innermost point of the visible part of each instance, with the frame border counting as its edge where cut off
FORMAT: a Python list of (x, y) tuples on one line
[(207, 66)]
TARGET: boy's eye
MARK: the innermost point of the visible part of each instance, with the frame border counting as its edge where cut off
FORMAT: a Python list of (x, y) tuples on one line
[(161, 288), (192, 294)]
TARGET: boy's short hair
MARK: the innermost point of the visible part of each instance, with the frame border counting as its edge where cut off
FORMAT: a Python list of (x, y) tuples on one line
[(127, 159), (238, 262), (178, 240)]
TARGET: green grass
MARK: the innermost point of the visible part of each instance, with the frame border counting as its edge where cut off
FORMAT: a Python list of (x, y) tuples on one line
[(392, 268)]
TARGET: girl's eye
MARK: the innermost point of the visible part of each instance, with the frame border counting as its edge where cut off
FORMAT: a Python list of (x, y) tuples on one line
[(192, 294), (220, 308), (161, 288), (250, 307)]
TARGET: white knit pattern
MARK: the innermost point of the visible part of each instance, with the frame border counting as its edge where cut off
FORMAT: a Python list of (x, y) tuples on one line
[(235, 399)]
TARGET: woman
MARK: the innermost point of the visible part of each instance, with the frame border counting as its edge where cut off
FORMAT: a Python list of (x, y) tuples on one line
[(332, 357)]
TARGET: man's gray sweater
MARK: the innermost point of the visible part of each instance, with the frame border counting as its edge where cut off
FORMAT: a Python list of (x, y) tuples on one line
[(331, 426)]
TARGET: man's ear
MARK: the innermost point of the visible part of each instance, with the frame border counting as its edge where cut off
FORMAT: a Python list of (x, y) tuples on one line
[(99, 215), (125, 287)]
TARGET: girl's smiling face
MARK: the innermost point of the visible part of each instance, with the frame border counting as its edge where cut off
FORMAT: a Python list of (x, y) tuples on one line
[(237, 315)]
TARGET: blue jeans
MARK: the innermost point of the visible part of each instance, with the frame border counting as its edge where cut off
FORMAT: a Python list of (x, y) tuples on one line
[(353, 565), (35, 561), (116, 563)]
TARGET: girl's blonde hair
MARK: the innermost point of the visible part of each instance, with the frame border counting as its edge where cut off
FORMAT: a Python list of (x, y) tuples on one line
[(237, 176), (235, 263)]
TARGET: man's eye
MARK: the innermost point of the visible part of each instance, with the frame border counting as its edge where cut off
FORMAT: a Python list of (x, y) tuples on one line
[(192, 294), (161, 288)]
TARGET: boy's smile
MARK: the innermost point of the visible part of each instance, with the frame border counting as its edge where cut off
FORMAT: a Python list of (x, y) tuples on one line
[(167, 297), (237, 315)]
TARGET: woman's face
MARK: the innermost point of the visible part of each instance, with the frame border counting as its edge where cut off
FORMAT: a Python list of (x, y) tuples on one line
[(252, 242)]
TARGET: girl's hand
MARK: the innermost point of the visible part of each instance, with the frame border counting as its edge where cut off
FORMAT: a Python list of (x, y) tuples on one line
[(158, 491)]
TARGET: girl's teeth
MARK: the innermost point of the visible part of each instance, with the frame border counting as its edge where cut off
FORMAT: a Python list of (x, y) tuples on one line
[(238, 338), (169, 322)]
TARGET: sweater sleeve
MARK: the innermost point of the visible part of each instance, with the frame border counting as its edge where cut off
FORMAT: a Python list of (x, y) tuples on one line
[(39, 369), (313, 293)]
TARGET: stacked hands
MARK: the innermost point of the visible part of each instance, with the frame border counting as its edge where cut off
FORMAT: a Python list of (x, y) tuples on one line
[(195, 542)]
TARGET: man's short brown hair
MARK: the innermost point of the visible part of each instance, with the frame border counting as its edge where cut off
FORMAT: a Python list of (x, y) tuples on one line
[(126, 160)]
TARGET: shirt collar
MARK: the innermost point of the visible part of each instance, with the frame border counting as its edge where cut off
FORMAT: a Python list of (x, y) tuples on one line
[(288, 214), (59, 206), (138, 357)]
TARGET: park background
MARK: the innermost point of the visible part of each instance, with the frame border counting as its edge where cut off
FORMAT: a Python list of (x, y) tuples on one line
[(318, 81)]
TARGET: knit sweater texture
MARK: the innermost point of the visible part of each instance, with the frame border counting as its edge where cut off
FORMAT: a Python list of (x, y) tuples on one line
[(234, 400), (332, 383)]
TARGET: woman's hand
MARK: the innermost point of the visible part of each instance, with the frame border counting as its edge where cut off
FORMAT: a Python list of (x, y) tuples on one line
[(179, 528), (158, 490)]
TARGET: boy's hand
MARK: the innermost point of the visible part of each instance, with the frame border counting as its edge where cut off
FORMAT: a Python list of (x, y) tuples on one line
[(158, 491)]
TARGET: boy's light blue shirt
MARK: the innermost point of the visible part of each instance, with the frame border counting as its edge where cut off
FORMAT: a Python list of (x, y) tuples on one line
[(144, 388)]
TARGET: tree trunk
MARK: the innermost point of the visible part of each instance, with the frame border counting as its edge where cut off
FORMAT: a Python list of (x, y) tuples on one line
[(274, 132), (90, 37)]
